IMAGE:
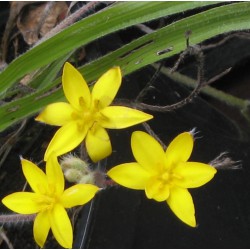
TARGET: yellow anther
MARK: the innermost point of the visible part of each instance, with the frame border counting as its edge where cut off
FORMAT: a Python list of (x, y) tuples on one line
[(165, 176), (81, 101), (75, 116)]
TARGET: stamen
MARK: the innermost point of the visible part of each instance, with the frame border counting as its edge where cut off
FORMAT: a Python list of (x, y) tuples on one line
[(176, 176), (81, 101), (165, 176), (74, 116)]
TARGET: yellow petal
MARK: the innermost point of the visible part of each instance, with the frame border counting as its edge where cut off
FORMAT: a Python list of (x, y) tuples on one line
[(193, 174), (98, 144), (78, 195), (54, 174), (22, 202), (34, 176), (105, 89), (57, 114), (180, 149), (156, 190), (66, 139), (130, 175), (147, 151), (75, 87), (61, 226), (41, 228), (117, 117), (181, 203)]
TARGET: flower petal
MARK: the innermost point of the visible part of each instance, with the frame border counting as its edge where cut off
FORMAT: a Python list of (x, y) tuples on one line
[(57, 114), (22, 202), (180, 149), (193, 174), (106, 87), (130, 175), (66, 139), (98, 144), (54, 174), (147, 151), (75, 87), (78, 195), (117, 117), (181, 203), (156, 190), (41, 228), (34, 176), (61, 226)]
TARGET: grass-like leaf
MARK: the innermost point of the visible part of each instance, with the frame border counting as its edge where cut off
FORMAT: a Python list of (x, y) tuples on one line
[(139, 53), (116, 17)]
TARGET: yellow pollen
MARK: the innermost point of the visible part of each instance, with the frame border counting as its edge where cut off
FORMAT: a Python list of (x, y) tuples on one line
[(81, 101), (165, 176), (46, 202), (75, 116), (161, 185), (80, 126), (87, 116), (96, 104)]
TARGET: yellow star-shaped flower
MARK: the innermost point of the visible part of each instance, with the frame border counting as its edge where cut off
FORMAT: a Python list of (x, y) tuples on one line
[(88, 114), (49, 201), (165, 176)]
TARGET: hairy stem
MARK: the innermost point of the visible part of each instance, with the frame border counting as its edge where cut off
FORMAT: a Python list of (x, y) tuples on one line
[(16, 218)]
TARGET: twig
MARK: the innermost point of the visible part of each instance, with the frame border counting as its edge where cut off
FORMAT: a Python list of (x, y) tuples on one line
[(243, 35), (207, 90), (191, 50), (46, 12), (151, 132), (217, 77), (5, 239), (6, 147), (144, 28), (68, 21), (149, 84)]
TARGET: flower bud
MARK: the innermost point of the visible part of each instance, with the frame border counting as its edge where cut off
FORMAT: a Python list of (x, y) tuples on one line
[(76, 170)]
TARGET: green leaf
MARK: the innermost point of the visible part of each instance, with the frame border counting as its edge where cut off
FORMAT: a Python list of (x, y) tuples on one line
[(116, 17), (144, 51), (139, 53)]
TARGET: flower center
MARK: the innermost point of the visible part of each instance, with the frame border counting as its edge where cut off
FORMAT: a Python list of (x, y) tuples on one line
[(87, 116), (47, 200), (165, 177)]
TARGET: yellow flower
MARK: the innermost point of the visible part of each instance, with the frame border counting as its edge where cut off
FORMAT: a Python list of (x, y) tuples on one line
[(87, 115), (49, 201), (165, 176)]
